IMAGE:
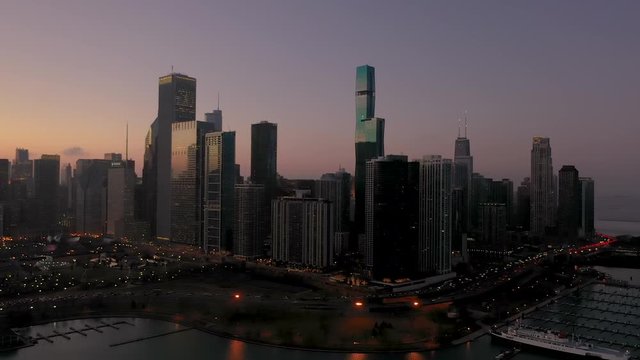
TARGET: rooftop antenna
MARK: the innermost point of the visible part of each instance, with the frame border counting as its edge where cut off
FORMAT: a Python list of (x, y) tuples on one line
[(172, 69), (126, 151), (465, 124), (459, 121), (218, 100)]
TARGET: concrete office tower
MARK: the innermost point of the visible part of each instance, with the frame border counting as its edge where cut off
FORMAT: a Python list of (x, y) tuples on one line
[(569, 202), (219, 182), (493, 226), (336, 187), (391, 211), (249, 224), (91, 179), (121, 182), (542, 186), (302, 231), (46, 181), (523, 201), (5, 168), (176, 103), (186, 183), (436, 178), (587, 207), (369, 138)]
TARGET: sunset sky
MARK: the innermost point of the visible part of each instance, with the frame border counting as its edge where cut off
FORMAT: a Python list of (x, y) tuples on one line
[(75, 72)]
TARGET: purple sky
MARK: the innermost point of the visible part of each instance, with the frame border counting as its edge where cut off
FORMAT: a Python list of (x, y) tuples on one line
[(74, 72)]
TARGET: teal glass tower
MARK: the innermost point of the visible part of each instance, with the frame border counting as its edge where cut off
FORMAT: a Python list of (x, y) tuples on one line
[(369, 136)]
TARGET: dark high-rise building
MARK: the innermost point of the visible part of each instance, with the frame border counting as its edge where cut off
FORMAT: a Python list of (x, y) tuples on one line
[(302, 231), (250, 221), (176, 103), (46, 180), (336, 187), (22, 167), (5, 167), (187, 185), (214, 117), (91, 185), (369, 137), (493, 226), (569, 202), (587, 229), (436, 178), (462, 179), (219, 183), (264, 155), (264, 161), (391, 216), (480, 193), (501, 192), (523, 201), (542, 187)]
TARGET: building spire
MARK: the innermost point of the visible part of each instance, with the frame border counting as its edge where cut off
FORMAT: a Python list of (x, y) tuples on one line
[(126, 150), (465, 124), (218, 100)]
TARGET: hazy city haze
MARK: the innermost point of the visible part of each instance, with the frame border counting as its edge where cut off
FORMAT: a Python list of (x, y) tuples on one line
[(75, 72)]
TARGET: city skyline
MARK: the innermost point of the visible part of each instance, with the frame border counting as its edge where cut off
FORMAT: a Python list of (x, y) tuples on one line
[(578, 93)]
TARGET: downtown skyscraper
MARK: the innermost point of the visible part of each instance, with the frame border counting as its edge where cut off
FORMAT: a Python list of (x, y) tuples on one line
[(569, 202), (436, 177), (391, 213), (542, 187), (369, 137), (176, 103), (219, 182), (461, 192)]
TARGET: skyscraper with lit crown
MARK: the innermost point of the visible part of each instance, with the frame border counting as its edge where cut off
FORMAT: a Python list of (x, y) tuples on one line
[(369, 137)]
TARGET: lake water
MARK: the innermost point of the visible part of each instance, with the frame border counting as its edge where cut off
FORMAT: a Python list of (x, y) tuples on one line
[(618, 227), (194, 344)]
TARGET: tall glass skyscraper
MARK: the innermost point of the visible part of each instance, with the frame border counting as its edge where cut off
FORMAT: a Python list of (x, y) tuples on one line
[(176, 103), (219, 198), (369, 137), (187, 158), (542, 186)]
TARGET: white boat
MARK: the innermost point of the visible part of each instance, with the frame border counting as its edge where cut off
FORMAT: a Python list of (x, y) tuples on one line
[(558, 343)]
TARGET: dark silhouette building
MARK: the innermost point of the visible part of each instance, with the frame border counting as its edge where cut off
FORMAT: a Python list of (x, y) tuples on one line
[(391, 216), (587, 207), (250, 228), (46, 183), (569, 202)]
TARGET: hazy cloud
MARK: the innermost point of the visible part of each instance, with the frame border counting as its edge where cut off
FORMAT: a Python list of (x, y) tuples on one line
[(74, 151)]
